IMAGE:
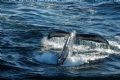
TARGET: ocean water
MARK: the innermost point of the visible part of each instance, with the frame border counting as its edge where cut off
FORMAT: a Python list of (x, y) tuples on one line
[(25, 52)]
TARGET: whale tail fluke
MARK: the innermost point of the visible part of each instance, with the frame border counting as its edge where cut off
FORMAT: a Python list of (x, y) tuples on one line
[(68, 46), (90, 37)]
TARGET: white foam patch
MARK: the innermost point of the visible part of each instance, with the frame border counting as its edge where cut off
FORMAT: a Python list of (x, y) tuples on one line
[(80, 48), (80, 59), (104, 50), (115, 43)]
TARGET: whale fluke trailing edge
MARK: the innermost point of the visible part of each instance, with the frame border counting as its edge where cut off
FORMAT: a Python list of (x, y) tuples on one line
[(90, 37)]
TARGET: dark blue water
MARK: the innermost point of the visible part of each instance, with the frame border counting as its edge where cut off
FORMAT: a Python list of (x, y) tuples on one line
[(24, 24)]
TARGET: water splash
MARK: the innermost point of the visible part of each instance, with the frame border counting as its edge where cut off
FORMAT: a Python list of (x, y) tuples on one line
[(47, 57), (79, 53)]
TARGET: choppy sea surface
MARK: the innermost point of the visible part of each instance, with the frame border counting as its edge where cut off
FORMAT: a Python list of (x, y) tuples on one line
[(25, 24)]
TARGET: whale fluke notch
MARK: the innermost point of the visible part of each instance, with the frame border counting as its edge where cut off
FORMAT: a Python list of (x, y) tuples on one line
[(90, 37)]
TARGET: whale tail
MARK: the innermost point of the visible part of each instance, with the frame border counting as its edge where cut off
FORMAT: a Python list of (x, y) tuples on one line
[(67, 48), (90, 37)]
